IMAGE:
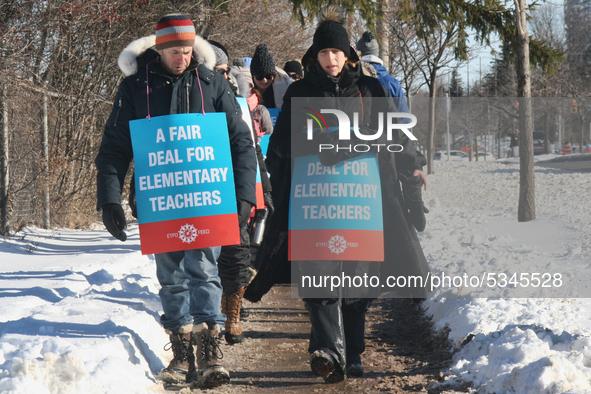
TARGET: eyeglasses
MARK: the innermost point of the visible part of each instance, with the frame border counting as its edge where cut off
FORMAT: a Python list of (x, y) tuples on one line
[(293, 76), (222, 71), (264, 76)]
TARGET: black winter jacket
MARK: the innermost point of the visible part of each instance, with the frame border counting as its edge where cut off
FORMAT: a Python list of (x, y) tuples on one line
[(169, 95), (403, 253)]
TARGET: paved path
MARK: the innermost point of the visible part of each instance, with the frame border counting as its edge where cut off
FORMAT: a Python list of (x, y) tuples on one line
[(402, 354)]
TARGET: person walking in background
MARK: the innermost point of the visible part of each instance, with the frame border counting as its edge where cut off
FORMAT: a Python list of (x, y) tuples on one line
[(293, 68), (173, 72), (234, 260), (269, 80), (370, 51), (332, 70), (259, 113), (221, 64)]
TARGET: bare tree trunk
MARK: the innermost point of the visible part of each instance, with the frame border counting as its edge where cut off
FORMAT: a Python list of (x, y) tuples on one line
[(547, 133), (384, 35), (582, 143), (526, 209), (4, 173), (431, 132), (498, 140), (45, 161)]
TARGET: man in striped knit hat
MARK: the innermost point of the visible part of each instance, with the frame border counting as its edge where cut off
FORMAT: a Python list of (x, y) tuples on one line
[(178, 68)]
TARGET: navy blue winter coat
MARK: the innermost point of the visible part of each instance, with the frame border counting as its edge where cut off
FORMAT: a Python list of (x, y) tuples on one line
[(198, 89)]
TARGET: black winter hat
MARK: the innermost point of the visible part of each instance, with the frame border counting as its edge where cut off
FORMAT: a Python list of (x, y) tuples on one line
[(293, 67), (262, 62), (331, 32), (368, 44)]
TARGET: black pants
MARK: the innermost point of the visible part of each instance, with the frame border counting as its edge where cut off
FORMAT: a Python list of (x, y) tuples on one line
[(234, 260), (339, 326)]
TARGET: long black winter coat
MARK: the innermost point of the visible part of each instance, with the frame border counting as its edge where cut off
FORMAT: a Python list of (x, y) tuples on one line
[(403, 253), (198, 89)]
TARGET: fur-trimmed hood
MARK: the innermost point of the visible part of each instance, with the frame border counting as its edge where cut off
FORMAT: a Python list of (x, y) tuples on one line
[(128, 58)]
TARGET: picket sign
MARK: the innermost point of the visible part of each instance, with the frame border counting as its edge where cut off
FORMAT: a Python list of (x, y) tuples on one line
[(184, 182), (248, 119), (264, 143), (274, 112), (336, 212), (264, 140)]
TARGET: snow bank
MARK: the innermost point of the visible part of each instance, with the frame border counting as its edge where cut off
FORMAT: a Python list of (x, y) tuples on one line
[(511, 345)]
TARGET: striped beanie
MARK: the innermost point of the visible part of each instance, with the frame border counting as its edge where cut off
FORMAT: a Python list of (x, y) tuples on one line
[(174, 30)]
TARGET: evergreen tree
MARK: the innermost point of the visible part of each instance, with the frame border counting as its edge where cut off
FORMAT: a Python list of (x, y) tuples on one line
[(456, 88), (501, 80)]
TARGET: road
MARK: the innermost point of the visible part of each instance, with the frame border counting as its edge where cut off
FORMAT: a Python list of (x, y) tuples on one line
[(575, 162)]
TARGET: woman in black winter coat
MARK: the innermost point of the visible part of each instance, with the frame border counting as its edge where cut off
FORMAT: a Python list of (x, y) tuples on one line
[(333, 75)]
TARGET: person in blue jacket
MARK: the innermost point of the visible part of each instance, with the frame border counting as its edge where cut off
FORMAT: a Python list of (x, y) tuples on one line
[(370, 50)]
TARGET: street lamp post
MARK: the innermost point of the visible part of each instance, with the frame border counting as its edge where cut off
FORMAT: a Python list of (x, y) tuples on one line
[(447, 109)]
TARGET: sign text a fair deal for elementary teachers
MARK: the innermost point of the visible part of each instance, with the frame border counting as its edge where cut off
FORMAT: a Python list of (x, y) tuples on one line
[(184, 180)]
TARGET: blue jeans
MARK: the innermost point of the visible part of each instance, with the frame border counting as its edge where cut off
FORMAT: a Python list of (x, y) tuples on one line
[(191, 289)]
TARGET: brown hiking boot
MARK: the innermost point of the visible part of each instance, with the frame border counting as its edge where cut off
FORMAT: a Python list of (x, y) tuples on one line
[(231, 304), (211, 372), (183, 357)]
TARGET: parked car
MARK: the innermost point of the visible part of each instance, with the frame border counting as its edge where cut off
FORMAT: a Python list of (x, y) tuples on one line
[(453, 155), (487, 157)]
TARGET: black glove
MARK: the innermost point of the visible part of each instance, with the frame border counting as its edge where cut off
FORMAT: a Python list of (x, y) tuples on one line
[(330, 157), (244, 208), (302, 146), (269, 202), (114, 220), (411, 188)]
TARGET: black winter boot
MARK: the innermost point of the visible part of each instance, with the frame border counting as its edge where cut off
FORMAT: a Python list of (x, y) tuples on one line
[(323, 364)]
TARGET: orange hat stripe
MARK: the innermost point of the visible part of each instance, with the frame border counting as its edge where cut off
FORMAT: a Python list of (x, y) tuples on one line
[(175, 37)]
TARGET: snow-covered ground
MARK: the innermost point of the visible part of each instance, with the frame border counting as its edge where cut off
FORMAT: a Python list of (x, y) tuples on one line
[(79, 310), (513, 345), (79, 314)]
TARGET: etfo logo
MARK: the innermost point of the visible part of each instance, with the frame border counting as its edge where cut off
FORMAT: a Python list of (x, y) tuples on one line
[(188, 233), (345, 130), (337, 244)]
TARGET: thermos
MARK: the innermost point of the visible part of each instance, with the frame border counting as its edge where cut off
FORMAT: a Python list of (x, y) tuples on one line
[(258, 226)]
